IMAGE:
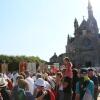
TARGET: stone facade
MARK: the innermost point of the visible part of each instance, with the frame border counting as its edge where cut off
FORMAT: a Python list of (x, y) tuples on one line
[(83, 48), (57, 59)]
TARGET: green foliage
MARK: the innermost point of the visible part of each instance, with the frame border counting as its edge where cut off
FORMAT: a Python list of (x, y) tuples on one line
[(13, 61)]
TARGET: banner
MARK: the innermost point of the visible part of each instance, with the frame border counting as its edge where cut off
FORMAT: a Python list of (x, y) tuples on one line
[(4, 68), (31, 67), (22, 66)]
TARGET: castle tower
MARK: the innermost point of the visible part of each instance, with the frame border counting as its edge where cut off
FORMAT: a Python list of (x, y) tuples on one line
[(76, 26), (92, 23), (90, 11)]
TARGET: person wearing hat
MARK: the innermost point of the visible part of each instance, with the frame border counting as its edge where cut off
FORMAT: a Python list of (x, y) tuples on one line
[(41, 92), (74, 81), (85, 86), (3, 89), (94, 78)]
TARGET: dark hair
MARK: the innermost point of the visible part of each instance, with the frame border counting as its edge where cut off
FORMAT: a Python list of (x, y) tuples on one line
[(19, 77), (23, 74), (90, 69)]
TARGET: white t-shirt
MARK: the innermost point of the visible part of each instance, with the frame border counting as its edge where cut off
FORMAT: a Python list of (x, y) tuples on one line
[(30, 82)]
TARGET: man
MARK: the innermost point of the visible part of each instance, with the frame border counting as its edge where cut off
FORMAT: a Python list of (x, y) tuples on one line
[(85, 87), (94, 78), (30, 82), (41, 93)]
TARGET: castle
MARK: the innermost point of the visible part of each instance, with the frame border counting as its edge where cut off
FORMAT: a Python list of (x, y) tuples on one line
[(83, 49)]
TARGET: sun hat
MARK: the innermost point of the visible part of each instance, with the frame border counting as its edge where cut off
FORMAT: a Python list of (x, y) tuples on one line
[(40, 82), (3, 82), (91, 69)]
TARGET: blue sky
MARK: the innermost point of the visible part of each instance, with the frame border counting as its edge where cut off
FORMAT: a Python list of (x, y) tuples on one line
[(40, 27)]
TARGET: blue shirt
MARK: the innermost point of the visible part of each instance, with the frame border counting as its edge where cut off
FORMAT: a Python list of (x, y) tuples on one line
[(90, 88)]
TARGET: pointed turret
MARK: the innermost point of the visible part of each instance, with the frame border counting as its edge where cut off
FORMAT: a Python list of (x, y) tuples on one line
[(76, 26), (68, 39), (90, 11), (92, 23)]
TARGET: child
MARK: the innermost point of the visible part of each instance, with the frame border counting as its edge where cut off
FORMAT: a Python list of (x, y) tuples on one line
[(68, 66)]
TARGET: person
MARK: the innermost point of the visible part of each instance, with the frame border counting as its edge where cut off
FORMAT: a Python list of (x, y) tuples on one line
[(67, 88), (41, 92), (18, 93), (74, 81), (68, 66), (59, 86), (30, 82), (94, 78), (21, 91), (84, 87), (4, 92), (24, 85), (67, 78)]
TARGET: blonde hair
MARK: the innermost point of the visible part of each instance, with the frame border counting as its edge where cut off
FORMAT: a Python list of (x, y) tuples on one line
[(23, 84)]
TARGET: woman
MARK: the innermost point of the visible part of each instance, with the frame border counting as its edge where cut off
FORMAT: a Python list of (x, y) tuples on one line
[(59, 86)]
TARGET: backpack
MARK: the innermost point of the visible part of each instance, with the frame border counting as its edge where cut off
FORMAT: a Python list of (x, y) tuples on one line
[(18, 94), (21, 94), (83, 88)]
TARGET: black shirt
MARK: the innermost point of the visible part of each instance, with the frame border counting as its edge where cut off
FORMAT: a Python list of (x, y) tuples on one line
[(68, 80)]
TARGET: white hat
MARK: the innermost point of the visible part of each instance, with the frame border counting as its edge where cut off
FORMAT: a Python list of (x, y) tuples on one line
[(40, 82), (3, 82)]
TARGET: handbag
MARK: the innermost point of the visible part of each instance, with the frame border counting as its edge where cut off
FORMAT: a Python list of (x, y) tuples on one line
[(87, 95)]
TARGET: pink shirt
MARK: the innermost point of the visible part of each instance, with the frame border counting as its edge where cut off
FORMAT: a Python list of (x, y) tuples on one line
[(68, 71)]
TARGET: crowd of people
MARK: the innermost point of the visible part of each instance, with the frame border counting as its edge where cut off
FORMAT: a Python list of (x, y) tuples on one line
[(67, 84)]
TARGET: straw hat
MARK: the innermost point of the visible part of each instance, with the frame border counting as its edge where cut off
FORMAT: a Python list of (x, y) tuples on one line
[(3, 82)]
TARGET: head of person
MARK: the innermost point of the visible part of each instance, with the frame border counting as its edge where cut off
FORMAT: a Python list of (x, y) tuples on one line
[(18, 78), (59, 76), (27, 73), (38, 75), (91, 72), (40, 84), (84, 74), (75, 72), (23, 74), (23, 84), (3, 83), (66, 60)]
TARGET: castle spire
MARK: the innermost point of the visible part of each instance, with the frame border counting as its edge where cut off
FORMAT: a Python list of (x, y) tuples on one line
[(92, 23), (76, 26), (90, 11)]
